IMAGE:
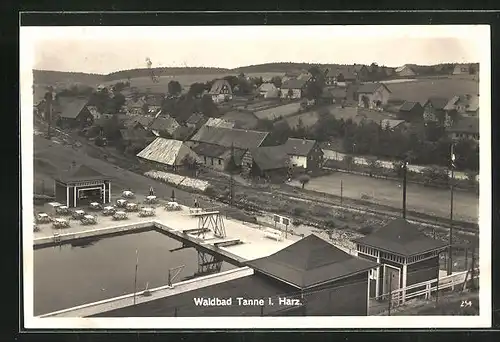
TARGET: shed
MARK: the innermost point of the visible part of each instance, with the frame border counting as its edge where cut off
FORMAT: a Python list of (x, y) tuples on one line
[(167, 153), (330, 281), (411, 111), (80, 185), (405, 254), (304, 153), (271, 162), (73, 112)]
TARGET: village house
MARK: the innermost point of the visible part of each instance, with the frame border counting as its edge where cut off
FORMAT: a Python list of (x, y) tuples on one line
[(293, 89), (219, 157), (154, 104), (268, 90), (229, 137), (461, 69), (95, 113), (405, 256), (291, 75), (196, 120), (406, 70), (373, 95), (464, 128), (341, 73), (434, 110), (162, 125), (167, 154), (221, 91), (72, 112), (411, 111), (334, 95), (268, 162), (304, 153), (467, 104), (134, 106)]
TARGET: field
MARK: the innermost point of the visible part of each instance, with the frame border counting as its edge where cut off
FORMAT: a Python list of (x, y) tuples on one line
[(144, 83), (280, 111), (421, 89)]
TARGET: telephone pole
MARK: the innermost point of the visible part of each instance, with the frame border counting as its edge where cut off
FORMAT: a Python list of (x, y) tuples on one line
[(405, 168), (231, 177), (452, 180)]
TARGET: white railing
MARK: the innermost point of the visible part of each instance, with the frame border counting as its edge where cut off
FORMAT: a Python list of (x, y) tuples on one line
[(427, 288)]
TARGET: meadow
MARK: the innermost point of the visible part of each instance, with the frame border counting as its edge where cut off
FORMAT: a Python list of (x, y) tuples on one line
[(421, 89)]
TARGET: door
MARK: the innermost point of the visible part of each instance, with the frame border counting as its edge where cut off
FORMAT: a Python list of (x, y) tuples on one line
[(391, 279)]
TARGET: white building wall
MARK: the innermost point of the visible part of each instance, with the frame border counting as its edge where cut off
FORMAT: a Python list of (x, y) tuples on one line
[(299, 161)]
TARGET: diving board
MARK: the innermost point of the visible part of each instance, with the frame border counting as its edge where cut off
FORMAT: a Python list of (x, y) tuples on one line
[(211, 220)]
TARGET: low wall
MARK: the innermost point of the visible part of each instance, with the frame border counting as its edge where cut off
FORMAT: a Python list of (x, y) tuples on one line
[(155, 294)]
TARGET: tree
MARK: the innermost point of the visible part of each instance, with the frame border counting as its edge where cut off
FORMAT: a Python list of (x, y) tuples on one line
[(366, 101), (196, 89), (276, 80), (233, 81), (304, 179), (208, 107), (174, 88), (348, 161)]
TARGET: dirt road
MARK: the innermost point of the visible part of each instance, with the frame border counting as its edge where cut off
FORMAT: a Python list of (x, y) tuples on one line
[(429, 200)]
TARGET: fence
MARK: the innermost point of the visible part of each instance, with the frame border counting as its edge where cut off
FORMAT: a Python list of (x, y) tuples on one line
[(425, 289)]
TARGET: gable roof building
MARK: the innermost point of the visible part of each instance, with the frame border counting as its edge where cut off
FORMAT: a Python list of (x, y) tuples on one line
[(310, 262), (299, 147), (370, 88), (270, 157), (402, 238), (294, 84), (166, 151), (239, 138), (70, 107), (218, 122), (220, 87)]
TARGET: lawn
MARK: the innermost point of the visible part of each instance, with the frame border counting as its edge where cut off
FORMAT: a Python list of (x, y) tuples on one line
[(421, 89)]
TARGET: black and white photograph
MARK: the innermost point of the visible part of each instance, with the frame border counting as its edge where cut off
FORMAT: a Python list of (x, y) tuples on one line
[(256, 176)]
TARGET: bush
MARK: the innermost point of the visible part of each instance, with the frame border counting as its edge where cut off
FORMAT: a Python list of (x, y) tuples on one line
[(210, 191), (298, 211)]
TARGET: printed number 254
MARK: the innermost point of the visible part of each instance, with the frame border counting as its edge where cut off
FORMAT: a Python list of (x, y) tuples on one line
[(466, 303)]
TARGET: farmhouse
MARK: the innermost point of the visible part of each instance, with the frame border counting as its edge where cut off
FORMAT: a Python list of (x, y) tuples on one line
[(81, 185), (228, 137), (221, 91), (269, 162), (373, 95), (304, 153), (134, 106), (464, 128), (434, 110), (154, 104), (218, 157), (293, 89), (411, 111), (163, 124), (342, 73), (405, 71), (166, 154), (464, 104), (72, 112), (334, 95), (328, 280), (462, 69), (405, 255), (268, 90)]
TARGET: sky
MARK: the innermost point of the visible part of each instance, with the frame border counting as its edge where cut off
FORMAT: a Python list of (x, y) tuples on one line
[(108, 49)]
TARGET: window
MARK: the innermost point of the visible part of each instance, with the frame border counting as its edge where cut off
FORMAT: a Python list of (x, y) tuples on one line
[(373, 274), (220, 161)]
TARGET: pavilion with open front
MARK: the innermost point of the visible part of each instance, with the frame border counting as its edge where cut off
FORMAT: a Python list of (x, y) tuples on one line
[(405, 255), (81, 185)]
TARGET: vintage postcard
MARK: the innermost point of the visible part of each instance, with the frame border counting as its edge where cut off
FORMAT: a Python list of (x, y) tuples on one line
[(256, 177)]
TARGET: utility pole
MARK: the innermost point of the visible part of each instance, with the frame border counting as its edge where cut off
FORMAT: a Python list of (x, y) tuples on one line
[(405, 167), (231, 178), (341, 192), (452, 180), (390, 295)]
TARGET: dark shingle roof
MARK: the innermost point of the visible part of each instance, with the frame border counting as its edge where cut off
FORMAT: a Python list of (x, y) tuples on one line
[(270, 157), (310, 261), (218, 85), (210, 150), (195, 118), (228, 137), (299, 147), (69, 107), (438, 102), (293, 84), (369, 88), (402, 238), (408, 106), (183, 132), (164, 124), (80, 173)]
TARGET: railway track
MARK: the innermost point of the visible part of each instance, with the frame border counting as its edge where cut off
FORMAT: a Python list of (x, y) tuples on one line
[(431, 222)]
